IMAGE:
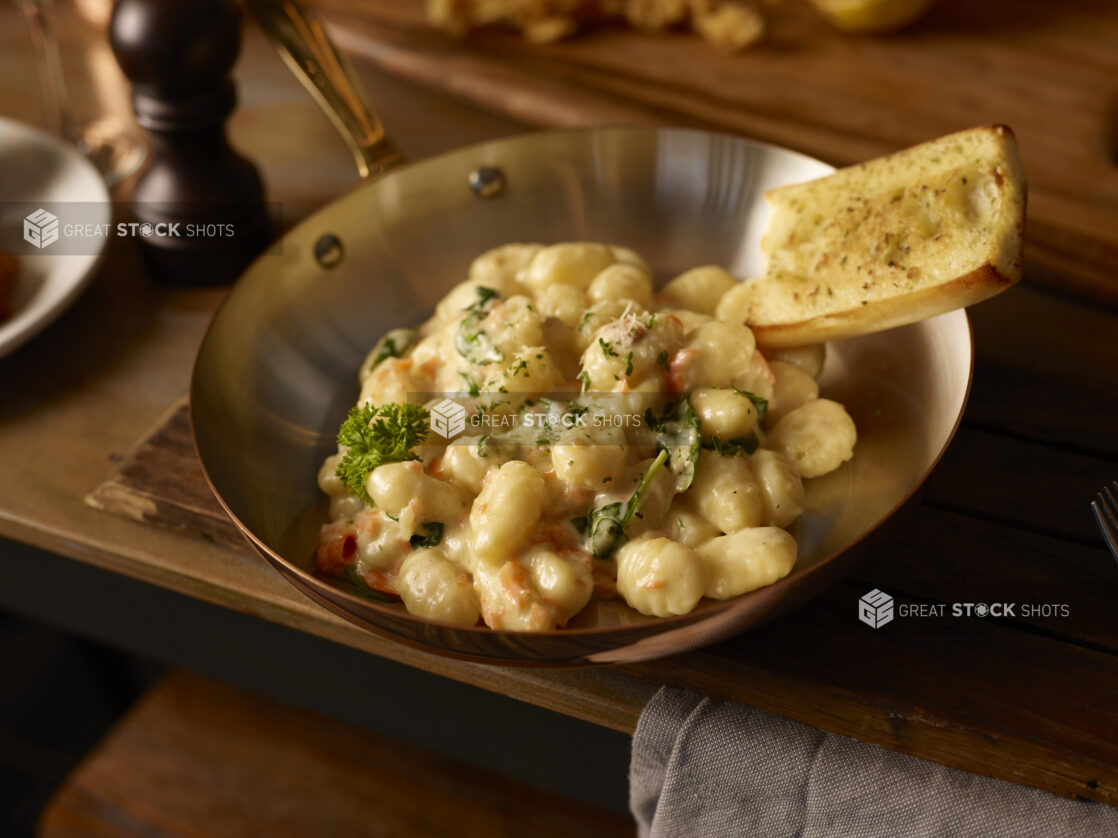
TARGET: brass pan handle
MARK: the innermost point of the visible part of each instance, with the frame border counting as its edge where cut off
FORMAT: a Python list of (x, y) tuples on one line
[(307, 50)]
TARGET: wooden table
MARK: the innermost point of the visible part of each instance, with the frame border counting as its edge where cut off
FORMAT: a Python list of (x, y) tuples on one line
[(195, 758), (1005, 517)]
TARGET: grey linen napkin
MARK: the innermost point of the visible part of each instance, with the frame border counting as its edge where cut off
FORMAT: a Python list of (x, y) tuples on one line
[(715, 769)]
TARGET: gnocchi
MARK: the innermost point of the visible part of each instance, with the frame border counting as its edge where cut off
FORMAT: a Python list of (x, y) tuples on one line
[(660, 577), (591, 438), (746, 560)]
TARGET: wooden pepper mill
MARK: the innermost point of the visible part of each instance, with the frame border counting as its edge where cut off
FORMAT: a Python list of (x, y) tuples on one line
[(203, 201)]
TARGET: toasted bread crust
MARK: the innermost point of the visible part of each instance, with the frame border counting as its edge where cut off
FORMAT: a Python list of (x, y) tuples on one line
[(991, 257), (974, 287)]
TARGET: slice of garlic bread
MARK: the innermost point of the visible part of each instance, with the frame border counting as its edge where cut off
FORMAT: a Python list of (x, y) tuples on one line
[(888, 242)]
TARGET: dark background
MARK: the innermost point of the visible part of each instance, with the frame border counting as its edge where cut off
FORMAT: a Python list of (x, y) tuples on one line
[(79, 645)]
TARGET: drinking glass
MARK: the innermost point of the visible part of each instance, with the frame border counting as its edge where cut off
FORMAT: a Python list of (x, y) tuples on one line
[(107, 140)]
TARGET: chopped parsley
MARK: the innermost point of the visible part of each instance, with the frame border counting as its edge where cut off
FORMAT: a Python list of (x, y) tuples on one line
[(662, 360), (471, 385), (473, 343), (607, 348)]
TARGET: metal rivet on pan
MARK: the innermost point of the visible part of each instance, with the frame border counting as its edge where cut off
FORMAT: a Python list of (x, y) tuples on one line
[(487, 181), (328, 250)]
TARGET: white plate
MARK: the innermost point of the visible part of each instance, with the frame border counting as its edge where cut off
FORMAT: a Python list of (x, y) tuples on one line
[(37, 168)]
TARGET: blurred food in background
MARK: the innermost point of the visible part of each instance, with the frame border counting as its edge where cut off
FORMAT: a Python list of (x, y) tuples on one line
[(730, 25), (871, 15)]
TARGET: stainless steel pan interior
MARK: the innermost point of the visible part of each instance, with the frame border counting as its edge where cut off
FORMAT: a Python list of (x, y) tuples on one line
[(277, 369)]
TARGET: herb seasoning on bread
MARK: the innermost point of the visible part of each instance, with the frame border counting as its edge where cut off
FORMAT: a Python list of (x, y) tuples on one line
[(888, 242)]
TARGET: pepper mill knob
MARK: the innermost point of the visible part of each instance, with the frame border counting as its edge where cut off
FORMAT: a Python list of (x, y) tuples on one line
[(204, 202)]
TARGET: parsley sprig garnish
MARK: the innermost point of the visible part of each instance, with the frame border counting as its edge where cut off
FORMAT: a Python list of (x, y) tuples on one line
[(378, 435)]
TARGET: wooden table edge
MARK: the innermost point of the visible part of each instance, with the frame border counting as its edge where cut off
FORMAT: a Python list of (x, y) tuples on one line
[(603, 696)]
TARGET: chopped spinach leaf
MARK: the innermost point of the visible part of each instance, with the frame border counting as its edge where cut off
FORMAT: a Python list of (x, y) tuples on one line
[(735, 447), (429, 535), (678, 433), (359, 587), (606, 527), (394, 344), (762, 405)]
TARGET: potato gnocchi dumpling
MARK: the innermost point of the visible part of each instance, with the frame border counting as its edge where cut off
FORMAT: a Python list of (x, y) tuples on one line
[(559, 432), (661, 577)]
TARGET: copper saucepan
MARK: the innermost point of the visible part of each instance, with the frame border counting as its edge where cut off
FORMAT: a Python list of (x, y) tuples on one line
[(277, 369)]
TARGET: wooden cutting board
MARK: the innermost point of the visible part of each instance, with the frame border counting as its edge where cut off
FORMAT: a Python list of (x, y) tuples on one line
[(1049, 70), (161, 482)]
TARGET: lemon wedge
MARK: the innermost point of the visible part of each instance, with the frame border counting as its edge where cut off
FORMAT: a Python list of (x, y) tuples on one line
[(870, 16)]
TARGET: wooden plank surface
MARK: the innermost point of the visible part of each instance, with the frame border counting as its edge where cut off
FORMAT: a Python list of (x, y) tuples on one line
[(161, 482), (196, 759), (1046, 69), (943, 556), (965, 692), (1045, 370), (1044, 388)]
